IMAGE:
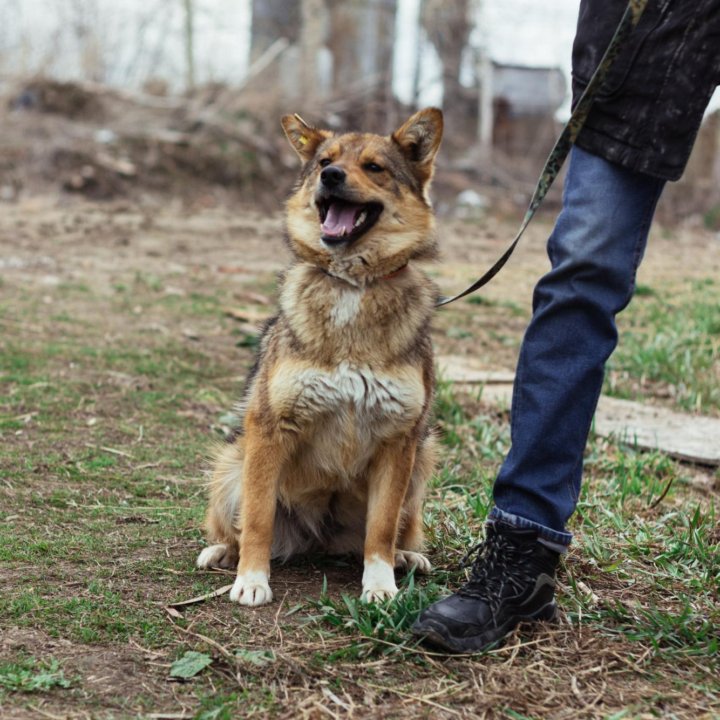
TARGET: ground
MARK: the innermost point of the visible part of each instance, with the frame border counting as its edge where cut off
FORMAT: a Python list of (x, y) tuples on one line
[(126, 331)]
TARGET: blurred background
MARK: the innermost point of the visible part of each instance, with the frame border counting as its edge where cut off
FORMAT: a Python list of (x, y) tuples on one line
[(144, 98)]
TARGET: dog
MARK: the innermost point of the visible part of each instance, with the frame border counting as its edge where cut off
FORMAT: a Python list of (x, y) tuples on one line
[(335, 447)]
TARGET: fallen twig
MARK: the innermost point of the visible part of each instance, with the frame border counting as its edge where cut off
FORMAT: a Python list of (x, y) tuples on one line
[(200, 598), (109, 449)]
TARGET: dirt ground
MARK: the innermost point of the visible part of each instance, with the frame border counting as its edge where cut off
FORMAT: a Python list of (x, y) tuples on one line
[(46, 243), (117, 302)]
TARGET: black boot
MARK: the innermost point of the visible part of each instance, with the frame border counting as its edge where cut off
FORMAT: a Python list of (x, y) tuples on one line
[(512, 580)]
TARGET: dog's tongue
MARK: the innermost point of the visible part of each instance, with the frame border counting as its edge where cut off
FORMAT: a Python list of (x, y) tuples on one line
[(340, 218)]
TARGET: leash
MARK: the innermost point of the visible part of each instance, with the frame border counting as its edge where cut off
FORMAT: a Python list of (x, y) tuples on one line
[(564, 143)]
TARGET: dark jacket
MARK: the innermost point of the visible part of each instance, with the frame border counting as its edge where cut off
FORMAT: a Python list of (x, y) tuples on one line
[(648, 112)]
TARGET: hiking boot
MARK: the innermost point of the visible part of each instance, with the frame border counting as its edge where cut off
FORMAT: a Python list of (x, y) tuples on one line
[(512, 580)]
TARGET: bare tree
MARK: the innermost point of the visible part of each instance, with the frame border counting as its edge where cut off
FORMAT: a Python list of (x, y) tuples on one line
[(385, 28), (271, 20), (312, 37), (84, 22), (361, 39), (189, 45), (448, 25), (419, 49)]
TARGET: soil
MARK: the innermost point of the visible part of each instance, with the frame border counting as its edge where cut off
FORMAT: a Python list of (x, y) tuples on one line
[(45, 242)]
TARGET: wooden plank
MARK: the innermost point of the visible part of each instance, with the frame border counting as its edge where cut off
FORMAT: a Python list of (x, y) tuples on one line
[(686, 437)]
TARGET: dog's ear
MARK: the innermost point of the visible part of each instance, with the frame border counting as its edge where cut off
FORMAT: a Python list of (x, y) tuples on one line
[(419, 139), (304, 138)]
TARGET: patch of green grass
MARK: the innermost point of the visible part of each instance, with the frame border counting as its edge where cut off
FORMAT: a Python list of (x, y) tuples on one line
[(672, 342), (102, 461), (195, 304), (478, 299), (389, 621), (515, 308), (18, 366), (644, 291), (510, 713), (634, 474), (74, 287), (449, 413), (248, 340), (93, 614), (148, 281), (680, 632), (228, 706), (658, 563), (458, 333), (711, 219), (32, 676)]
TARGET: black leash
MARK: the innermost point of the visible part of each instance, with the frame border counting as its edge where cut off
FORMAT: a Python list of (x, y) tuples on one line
[(554, 163)]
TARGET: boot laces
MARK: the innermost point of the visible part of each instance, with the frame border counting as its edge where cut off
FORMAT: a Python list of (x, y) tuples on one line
[(500, 566)]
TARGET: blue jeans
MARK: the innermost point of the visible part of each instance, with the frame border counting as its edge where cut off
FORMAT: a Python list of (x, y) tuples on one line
[(595, 249)]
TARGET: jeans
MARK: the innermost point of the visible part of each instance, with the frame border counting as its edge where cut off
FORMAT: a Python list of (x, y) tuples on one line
[(595, 248)]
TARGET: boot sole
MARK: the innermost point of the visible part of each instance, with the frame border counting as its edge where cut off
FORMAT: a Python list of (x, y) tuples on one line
[(436, 634)]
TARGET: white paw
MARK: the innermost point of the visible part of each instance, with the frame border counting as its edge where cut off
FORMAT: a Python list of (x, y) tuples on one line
[(378, 581), (214, 556), (407, 560), (374, 595), (251, 589)]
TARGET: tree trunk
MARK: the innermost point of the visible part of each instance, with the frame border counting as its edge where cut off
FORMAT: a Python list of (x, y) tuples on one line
[(312, 38), (448, 25), (271, 20), (189, 45), (361, 40)]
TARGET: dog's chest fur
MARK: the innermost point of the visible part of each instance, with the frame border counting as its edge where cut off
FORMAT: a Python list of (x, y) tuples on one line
[(352, 380), (343, 414), (382, 401)]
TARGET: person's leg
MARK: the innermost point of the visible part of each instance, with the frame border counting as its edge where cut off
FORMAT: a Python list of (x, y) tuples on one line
[(595, 248)]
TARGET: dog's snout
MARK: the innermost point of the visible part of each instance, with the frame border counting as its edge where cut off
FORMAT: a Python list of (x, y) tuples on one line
[(332, 176)]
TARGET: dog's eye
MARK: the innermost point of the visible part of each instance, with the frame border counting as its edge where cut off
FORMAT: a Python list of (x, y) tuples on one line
[(372, 167), (325, 162)]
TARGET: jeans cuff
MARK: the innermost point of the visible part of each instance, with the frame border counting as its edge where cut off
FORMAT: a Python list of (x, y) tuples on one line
[(557, 541)]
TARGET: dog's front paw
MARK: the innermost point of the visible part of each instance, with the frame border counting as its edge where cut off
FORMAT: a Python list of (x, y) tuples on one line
[(251, 589), (375, 595), (378, 581), (407, 560)]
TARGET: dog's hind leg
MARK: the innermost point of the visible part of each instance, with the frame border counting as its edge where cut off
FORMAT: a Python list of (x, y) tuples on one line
[(410, 560), (220, 555), (223, 510)]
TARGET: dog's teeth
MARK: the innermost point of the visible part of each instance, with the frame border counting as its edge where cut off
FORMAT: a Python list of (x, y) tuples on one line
[(361, 218)]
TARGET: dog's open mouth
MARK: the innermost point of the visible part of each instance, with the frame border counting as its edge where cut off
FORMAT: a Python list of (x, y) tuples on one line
[(342, 221)]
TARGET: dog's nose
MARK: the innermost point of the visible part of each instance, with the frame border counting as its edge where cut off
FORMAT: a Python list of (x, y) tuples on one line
[(332, 176)]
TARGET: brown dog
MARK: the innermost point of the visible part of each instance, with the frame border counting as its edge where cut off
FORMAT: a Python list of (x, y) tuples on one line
[(335, 449)]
